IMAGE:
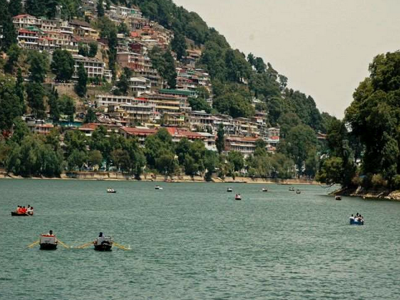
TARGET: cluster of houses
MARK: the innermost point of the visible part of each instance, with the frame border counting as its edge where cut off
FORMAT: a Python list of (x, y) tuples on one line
[(149, 105)]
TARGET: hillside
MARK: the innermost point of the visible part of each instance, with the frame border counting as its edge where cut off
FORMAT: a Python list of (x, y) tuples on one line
[(146, 64)]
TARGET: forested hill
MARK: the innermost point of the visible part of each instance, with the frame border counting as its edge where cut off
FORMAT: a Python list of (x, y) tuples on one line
[(237, 79)]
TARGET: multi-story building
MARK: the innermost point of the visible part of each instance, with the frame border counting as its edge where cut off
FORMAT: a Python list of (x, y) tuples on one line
[(39, 126), (245, 145), (139, 85), (24, 21), (28, 39), (141, 112), (200, 120), (93, 66)]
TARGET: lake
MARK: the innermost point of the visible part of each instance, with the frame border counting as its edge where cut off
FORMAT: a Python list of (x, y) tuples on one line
[(194, 241)]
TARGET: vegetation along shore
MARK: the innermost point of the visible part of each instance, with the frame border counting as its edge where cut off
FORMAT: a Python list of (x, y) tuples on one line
[(146, 87)]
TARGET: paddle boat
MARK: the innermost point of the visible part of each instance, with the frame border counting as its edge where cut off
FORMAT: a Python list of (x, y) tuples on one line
[(338, 198), (48, 241), (238, 197), (229, 190), (103, 243), (15, 214), (158, 187), (356, 221), (111, 191), (264, 190), (298, 192)]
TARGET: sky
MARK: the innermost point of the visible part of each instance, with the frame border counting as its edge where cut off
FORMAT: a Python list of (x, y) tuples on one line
[(324, 47)]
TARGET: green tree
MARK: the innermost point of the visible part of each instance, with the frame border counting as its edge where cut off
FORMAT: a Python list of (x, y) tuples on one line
[(67, 107), (15, 7), (38, 66), (80, 87), (63, 65), (90, 116), (93, 49), (300, 142), (121, 159), (10, 106), (35, 95), (13, 54), (7, 30), (76, 160), (54, 104), (95, 158), (178, 45), (236, 159), (100, 8), (220, 142), (20, 90)]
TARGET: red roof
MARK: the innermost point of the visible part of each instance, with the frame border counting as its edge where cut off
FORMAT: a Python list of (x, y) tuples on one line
[(139, 131), (22, 16), (22, 30), (177, 132)]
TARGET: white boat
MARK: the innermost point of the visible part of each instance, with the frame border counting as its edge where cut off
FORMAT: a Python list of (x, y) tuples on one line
[(229, 190), (158, 187), (264, 190), (111, 191), (238, 197)]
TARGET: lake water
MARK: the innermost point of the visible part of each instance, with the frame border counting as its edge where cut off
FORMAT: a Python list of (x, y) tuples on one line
[(194, 241)]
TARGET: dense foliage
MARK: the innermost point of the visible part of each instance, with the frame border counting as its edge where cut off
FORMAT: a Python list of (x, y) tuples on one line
[(370, 132)]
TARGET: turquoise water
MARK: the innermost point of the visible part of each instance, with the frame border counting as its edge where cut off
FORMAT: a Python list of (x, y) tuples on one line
[(194, 241)]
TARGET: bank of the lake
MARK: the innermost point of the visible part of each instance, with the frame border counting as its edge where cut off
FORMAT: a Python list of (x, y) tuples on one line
[(194, 241), (117, 176), (383, 194)]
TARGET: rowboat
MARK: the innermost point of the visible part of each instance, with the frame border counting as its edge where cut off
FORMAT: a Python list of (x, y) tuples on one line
[(238, 197), (48, 242), (15, 214)]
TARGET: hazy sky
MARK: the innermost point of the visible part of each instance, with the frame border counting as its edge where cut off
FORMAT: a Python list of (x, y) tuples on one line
[(324, 47)]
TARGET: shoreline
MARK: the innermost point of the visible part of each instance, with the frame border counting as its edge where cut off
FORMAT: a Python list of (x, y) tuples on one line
[(111, 176), (372, 194)]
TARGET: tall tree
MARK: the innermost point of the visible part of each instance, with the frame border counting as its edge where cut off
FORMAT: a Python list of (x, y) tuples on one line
[(13, 54), (7, 30), (100, 8), (63, 65), (9, 103), (15, 7), (39, 66), (178, 45), (220, 142), (20, 90), (54, 105), (80, 87), (35, 94)]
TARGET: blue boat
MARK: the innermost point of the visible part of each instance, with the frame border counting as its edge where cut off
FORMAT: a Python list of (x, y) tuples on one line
[(356, 222)]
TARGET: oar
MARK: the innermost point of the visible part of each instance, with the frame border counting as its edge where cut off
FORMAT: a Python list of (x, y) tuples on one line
[(62, 244), (84, 245), (121, 247), (33, 244)]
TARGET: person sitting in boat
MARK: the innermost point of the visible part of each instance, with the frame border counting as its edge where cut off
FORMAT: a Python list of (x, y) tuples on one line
[(23, 210), (30, 210), (51, 233), (18, 210), (352, 217)]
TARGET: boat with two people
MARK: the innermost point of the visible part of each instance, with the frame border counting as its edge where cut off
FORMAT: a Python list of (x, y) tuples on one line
[(22, 211), (357, 219), (48, 241), (238, 197), (229, 190), (103, 243), (158, 187), (291, 189), (111, 191), (298, 192)]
